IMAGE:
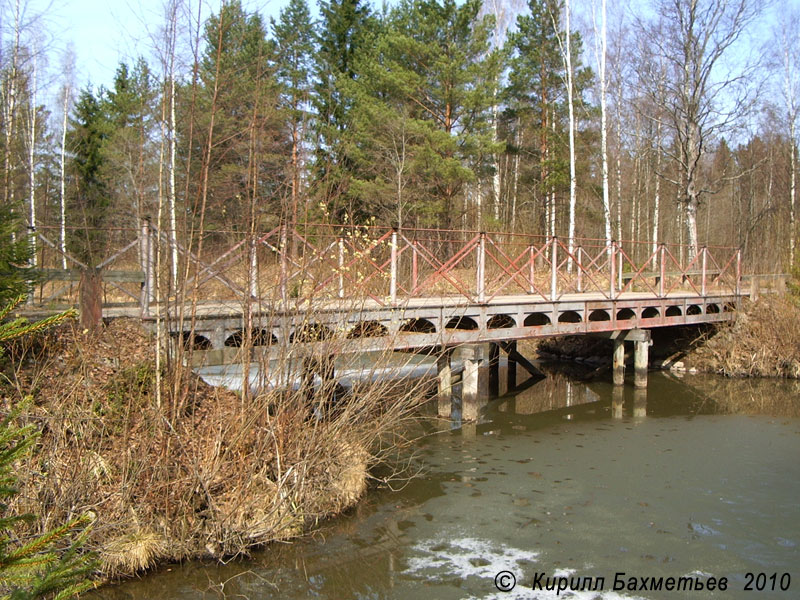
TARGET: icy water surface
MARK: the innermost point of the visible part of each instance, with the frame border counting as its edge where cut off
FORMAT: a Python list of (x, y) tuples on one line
[(698, 478)]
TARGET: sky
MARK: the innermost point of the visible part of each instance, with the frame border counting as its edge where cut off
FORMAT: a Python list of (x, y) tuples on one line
[(104, 32)]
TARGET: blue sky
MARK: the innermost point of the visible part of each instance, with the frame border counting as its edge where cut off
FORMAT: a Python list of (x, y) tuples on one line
[(103, 32)]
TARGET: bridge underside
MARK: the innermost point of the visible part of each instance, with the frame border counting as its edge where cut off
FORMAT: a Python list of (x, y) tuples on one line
[(425, 322), (479, 331)]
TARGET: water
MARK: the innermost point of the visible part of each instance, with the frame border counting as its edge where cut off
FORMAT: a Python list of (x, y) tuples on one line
[(701, 477)]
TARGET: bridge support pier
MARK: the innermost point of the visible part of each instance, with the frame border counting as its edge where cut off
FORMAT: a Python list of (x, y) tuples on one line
[(618, 361), (444, 375), (640, 358), (474, 381)]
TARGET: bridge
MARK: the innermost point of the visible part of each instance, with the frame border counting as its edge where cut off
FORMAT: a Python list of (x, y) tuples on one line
[(326, 289)]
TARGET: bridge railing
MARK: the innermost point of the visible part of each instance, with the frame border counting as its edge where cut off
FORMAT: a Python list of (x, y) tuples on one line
[(322, 262)]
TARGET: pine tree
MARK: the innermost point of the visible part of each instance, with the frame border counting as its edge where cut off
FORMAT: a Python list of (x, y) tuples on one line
[(294, 41), (427, 92), (249, 144), (343, 33)]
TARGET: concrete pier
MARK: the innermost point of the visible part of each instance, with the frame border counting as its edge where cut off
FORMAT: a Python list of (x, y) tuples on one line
[(618, 361), (474, 381), (444, 375), (640, 360)]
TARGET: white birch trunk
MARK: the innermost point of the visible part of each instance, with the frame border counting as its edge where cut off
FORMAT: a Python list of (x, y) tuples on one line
[(32, 168), (63, 194), (570, 102), (601, 60)]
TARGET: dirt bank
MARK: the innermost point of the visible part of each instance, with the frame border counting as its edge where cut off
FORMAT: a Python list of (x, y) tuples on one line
[(204, 473)]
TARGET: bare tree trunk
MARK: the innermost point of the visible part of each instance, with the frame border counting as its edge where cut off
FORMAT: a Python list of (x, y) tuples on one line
[(63, 195), (32, 167), (10, 115), (604, 126), (570, 102)]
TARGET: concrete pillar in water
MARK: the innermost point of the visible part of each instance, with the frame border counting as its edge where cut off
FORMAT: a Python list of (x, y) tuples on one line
[(640, 353), (617, 402), (474, 381), (640, 402), (444, 375), (618, 362)]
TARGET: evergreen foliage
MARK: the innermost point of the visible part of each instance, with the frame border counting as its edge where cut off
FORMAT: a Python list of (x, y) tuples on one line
[(15, 255), (52, 564)]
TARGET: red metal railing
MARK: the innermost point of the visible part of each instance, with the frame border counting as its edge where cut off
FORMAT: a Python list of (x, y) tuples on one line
[(315, 262)]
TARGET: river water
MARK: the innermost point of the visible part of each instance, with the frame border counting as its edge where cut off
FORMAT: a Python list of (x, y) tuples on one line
[(698, 478)]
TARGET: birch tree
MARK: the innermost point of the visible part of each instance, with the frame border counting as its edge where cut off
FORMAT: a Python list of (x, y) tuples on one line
[(789, 49), (705, 94)]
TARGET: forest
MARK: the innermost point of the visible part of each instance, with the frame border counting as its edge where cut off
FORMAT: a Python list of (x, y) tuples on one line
[(673, 122)]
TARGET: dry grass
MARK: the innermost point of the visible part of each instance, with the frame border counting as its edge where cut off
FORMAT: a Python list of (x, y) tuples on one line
[(764, 341), (206, 473)]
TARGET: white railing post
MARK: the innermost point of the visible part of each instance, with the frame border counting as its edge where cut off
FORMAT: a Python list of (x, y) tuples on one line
[(341, 266), (662, 269), (704, 250), (393, 274), (531, 260), (414, 267), (554, 269), (612, 261), (146, 245), (481, 275), (282, 249), (739, 272), (253, 269)]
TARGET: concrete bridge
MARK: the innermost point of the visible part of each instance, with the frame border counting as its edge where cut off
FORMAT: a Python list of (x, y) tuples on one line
[(324, 289)]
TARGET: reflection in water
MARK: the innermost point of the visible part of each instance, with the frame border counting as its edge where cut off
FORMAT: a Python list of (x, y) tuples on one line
[(606, 479)]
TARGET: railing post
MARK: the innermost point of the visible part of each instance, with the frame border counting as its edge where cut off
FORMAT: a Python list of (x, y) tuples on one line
[(579, 251), (739, 272), (612, 261), (253, 269), (481, 275), (282, 248), (414, 267), (531, 260), (704, 250), (393, 275), (662, 269), (146, 245), (620, 257), (341, 266), (553, 269)]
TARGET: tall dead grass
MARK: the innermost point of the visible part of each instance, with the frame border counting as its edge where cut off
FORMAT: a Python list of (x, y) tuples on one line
[(764, 341), (211, 475)]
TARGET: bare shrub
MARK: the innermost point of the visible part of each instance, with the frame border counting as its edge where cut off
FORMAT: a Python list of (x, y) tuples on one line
[(212, 474)]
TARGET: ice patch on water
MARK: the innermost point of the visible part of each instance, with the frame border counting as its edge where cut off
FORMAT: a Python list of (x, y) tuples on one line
[(468, 557)]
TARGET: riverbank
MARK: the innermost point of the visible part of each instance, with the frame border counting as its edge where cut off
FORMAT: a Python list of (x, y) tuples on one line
[(201, 473)]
